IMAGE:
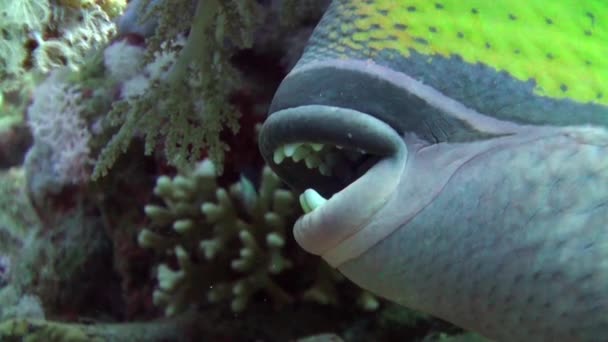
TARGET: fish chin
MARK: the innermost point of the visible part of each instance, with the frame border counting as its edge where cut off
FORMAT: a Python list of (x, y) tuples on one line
[(348, 211)]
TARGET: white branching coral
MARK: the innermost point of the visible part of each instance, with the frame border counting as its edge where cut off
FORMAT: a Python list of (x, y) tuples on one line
[(55, 118), (122, 60), (38, 36), (227, 242), (64, 32), (18, 19), (231, 243), (79, 30)]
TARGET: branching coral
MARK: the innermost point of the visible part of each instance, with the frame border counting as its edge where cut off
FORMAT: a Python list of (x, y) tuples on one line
[(112, 7), (55, 118), (76, 32), (18, 19), (187, 106), (39, 35), (229, 243)]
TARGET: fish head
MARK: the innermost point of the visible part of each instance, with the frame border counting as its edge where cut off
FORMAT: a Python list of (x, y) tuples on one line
[(381, 81)]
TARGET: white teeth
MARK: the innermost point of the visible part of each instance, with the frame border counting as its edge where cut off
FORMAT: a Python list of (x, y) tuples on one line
[(316, 155), (316, 147), (311, 200), (279, 156), (290, 149), (312, 161), (301, 152)]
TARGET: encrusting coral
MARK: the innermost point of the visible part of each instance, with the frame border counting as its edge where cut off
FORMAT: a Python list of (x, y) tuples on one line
[(229, 243)]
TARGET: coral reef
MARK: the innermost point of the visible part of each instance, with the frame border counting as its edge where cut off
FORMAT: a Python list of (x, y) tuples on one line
[(40, 35), (142, 210), (194, 109)]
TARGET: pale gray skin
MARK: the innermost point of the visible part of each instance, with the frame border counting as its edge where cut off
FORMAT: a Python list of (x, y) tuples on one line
[(500, 227)]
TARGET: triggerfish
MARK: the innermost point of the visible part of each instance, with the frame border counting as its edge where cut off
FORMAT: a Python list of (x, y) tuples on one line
[(453, 158)]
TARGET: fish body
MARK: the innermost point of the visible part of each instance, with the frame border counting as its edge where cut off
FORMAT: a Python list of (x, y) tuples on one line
[(487, 205)]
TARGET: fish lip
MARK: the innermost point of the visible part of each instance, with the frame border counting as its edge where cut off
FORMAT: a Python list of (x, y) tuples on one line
[(326, 125), (350, 207)]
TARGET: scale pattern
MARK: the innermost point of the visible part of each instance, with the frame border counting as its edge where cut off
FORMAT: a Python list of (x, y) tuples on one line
[(559, 46)]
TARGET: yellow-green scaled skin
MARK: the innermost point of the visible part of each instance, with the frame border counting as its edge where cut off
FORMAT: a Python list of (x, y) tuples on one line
[(532, 62), (498, 221), (556, 43)]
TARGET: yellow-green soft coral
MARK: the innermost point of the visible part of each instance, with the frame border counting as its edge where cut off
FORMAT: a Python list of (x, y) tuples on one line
[(19, 18), (187, 105), (112, 7), (62, 34), (38, 36)]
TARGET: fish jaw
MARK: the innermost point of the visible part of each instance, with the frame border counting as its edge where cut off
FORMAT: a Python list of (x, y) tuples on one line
[(348, 208)]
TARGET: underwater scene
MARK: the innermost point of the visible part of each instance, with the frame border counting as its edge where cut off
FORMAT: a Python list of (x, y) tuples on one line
[(303, 170)]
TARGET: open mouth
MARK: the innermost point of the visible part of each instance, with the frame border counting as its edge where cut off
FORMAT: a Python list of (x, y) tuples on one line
[(338, 164), (345, 163), (325, 148)]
